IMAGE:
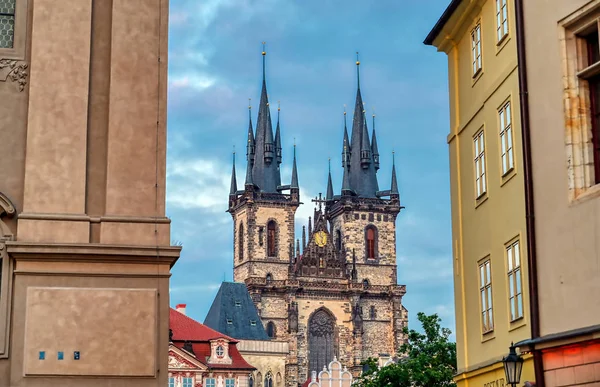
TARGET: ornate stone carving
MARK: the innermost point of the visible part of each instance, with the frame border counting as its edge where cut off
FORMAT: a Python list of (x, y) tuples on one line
[(7, 209), (15, 71)]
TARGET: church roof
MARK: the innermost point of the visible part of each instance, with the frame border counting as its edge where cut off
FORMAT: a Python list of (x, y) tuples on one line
[(233, 313)]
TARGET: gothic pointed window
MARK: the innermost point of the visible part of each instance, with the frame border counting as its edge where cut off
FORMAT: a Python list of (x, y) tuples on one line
[(271, 231), (321, 340), (366, 283), (271, 329), (269, 380), (250, 381), (371, 242), (269, 277), (338, 240), (241, 242), (373, 313)]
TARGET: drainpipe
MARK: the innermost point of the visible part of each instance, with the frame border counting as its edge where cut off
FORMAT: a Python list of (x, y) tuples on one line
[(529, 205)]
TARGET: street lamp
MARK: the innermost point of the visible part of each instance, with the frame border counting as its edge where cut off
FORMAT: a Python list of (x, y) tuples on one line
[(513, 365)]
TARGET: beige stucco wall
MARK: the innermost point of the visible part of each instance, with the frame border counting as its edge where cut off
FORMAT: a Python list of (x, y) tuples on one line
[(482, 227), (567, 232)]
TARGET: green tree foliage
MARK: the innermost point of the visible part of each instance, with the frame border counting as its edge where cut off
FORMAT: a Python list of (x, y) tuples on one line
[(427, 360)]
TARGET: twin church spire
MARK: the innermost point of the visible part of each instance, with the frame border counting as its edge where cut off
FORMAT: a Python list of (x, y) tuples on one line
[(360, 154)]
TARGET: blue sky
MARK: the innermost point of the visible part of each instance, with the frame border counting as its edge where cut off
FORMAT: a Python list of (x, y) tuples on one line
[(215, 66)]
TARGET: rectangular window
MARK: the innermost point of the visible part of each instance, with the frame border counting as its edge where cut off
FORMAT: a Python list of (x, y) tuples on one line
[(7, 23), (476, 48), (171, 382), (515, 293), (479, 143), (209, 382), (188, 382), (506, 141), (501, 19), (592, 57), (485, 289), (229, 382)]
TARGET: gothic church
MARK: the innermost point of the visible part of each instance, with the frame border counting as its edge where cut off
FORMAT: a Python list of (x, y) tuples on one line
[(335, 293)]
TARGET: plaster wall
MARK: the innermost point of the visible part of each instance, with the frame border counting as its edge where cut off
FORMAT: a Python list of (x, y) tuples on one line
[(483, 227), (567, 231)]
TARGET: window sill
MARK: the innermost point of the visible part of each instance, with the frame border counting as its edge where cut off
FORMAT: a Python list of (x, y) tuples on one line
[(488, 336), (481, 199), (590, 193), (477, 76), (517, 324), (502, 43), (508, 176)]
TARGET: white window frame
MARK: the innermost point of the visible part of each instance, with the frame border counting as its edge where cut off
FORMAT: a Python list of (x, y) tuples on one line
[(486, 296), (17, 52), (171, 381), (230, 382), (479, 161), (187, 381), (476, 49), (515, 284), (210, 382), (506, 138), (501, 19)]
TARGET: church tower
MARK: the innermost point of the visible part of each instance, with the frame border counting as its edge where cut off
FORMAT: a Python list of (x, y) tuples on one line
[(334, 294)]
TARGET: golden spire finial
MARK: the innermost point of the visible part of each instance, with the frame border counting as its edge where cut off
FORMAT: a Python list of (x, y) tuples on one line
[(344, 109), (249, 103), (264, 52), (357, 61), (278, 105), (234, 149)]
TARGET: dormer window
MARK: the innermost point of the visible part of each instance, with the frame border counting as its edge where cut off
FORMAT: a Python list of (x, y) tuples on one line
[(238, 304), (229, 321), (253, 323)]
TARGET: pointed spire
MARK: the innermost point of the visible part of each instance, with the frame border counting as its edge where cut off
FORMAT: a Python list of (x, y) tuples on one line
[(346, 140), (361, 173), (265, 173), (294, 170), (357, 71), (346, 189), (374, 149), (365, 146), (278, 136), (297, 247), (329, 195), (249, 181), (309, 225), (303, 238), (233, 187), (250, 146), (394, 189), (354, 271)]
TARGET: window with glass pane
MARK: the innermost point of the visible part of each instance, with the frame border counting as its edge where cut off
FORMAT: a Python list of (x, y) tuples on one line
[(506, 139), (171, 382), (501, 19), (485, 288), (476, 48), (229, 382), (209, 382), (7, 23), (480, 185), (188, 382), (515, 293)]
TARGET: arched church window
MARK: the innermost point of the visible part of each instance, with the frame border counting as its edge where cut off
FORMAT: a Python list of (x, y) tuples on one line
[(241, 242), (366, 283), (269, 380), (321, 340), (250, 381), (271, 329), (271, 231), (372, 313), (269, 277), (338, 240), (371, 241)]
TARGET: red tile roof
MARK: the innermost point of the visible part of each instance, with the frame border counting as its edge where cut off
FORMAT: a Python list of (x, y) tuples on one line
[(186, 329)]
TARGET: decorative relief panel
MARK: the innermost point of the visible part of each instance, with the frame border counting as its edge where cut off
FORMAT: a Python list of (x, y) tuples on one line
[(14, 71)]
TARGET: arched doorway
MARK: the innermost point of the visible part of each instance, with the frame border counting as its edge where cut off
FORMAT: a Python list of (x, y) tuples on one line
[(321, 340)]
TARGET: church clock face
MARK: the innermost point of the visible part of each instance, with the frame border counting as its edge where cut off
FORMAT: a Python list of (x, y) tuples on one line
[(321, 238)]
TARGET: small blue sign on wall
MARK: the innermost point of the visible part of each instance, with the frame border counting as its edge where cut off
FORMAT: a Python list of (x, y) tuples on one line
[(76, 355), (42, 355), (61, 355)]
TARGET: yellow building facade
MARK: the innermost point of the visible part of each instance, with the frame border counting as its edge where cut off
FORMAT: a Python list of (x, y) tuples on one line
[(487, 187)]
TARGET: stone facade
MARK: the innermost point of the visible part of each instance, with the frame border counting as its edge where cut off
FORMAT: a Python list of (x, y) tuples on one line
[(328, 278)]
